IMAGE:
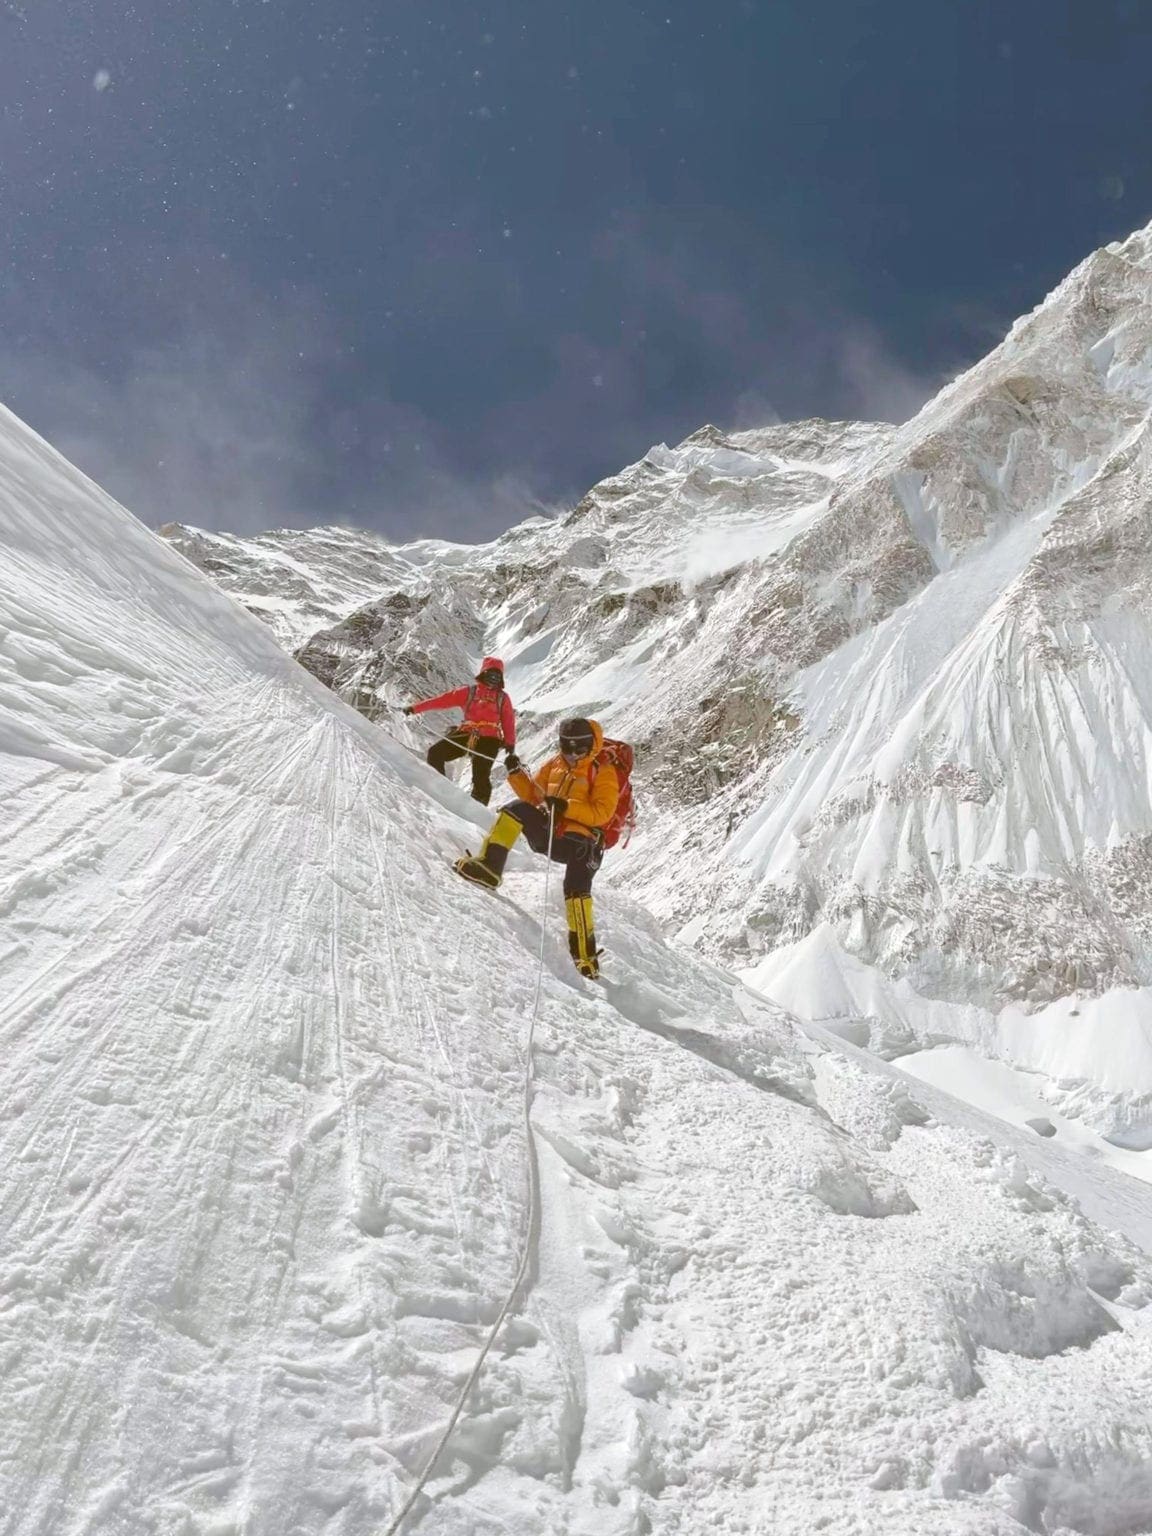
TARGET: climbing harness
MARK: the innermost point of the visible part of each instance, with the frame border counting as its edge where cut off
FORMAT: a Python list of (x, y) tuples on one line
[(531, 1226), (471, 751)]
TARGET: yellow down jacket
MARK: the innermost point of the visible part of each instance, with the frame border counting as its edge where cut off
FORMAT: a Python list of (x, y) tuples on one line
[(590, 788)]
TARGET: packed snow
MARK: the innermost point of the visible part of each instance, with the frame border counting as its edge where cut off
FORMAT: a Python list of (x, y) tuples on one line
[(268, 1174)]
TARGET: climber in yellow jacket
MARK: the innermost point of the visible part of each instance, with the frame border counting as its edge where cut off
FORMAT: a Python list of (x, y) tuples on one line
[(562, 812)]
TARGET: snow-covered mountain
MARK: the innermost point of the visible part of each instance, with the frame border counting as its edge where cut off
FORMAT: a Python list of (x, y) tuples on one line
[(298, 582), (293, 1123), (891, 689)]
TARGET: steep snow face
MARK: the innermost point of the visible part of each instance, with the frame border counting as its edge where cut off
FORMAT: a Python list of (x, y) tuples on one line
[(891, 683), (265, 1097), (975, 819)]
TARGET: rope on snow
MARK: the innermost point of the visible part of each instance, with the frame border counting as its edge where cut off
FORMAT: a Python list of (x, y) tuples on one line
[(531, 1227)]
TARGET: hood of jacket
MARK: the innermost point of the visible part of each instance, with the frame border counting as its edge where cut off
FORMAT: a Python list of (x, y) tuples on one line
[(597, 744)]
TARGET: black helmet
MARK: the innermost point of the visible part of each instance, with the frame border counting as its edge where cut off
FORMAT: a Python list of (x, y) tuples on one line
[(576, 738)]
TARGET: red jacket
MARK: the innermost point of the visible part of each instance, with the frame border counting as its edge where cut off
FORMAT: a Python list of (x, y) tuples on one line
[(487, 711)]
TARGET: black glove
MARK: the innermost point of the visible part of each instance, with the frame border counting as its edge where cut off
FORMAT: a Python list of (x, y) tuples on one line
[(409, 709), (557, 805), (512, 763)]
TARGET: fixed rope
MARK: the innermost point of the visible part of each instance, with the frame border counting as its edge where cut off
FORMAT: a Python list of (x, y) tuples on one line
[(471, 751), (530, 1225)]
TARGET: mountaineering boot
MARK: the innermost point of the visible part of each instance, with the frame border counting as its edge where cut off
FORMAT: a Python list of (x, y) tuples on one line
[(479, 874), (487, 868), (582, 936)]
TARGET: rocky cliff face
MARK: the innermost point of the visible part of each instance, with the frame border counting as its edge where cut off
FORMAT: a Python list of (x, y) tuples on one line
[(891, 687)]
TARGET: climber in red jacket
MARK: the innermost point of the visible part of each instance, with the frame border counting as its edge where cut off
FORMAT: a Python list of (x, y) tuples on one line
[(489, 723)]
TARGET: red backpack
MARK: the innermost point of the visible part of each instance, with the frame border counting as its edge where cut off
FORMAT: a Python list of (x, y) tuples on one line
[(621, 756)]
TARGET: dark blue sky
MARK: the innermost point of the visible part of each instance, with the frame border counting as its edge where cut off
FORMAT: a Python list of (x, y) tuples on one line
[(412, 263)]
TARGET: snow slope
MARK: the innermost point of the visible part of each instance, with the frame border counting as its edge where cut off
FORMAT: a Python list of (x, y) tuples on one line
[(266, 1167)]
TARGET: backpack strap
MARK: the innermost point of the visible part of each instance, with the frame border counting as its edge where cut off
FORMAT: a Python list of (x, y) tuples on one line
[(499, 706), (605, 755)]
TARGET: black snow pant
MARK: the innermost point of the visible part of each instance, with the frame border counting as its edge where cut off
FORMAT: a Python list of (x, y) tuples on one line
[(483, 750), (580, 856)]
